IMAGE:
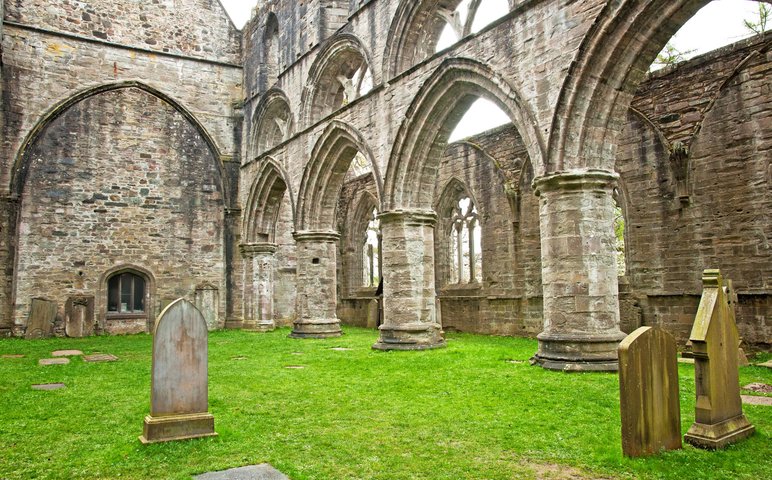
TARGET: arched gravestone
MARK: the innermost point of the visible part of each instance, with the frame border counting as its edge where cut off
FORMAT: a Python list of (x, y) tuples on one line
[(648, 386), (719, 419), (179, 396)]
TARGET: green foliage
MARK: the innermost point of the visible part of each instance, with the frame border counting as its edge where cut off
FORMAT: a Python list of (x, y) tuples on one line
[(670, 56), (475, 410), (758, 25)]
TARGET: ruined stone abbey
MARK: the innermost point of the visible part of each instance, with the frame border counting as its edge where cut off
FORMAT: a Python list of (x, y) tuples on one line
[(298, 173)]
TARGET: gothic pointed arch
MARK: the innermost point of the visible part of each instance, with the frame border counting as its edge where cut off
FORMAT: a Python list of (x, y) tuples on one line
[(356, 240), (437, 108), (324, 175), (337, 77), (21, 162), (612, 61), (264, 203), (272, 122)]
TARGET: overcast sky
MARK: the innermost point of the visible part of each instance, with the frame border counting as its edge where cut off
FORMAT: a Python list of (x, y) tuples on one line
[(718, 24)]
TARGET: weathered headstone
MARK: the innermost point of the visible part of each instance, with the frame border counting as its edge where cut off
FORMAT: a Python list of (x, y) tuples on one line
[(648, 386), (207, 299), (719, 419), (42, 314), (179, 397), (79, 317), (373, 313)]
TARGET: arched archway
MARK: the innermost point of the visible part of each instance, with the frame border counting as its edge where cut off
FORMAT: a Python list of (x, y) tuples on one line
[(338, 76), (258, 250), (272, 122), (316, 237), (408, 221)]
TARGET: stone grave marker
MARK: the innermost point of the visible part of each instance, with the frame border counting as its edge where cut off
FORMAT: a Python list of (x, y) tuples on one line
[(42, 314), (100, 357), (79, 317), (66, 353), (373, 313), (253, 472), (648, 386), (49, 386), (54, 361), (719, 419), (179, 396)]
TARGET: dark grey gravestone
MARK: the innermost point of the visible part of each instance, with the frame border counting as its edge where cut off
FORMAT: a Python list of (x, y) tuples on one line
[(252, 472)]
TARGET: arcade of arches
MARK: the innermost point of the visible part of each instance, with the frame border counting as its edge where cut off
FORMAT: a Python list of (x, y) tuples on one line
[(298, 173)]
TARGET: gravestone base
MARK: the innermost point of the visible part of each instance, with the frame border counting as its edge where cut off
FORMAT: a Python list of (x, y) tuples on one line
[(719, 435), (177, 427), (316, 328)]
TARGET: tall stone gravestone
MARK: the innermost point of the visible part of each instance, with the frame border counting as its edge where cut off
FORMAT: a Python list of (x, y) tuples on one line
[(648, 386), (719, 419), (79, 317), (179, 397), (42, 314)]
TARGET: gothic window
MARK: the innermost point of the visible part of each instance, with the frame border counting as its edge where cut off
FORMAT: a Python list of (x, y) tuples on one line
[(125, 294), (470, 16), (619, 234), (371, 252), (465, 244)]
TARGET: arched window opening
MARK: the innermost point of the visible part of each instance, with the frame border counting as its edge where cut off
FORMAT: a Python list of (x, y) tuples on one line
[(470, 16), (271, 51), (729, 21), (465, 244), (619, 234), (482, 116), (126, 294), (371, 252)]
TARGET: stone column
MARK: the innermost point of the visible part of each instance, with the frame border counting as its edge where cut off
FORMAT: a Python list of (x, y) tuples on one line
[(247, 285), (316, 285), (258, 286), (409, 308), (579, 276)]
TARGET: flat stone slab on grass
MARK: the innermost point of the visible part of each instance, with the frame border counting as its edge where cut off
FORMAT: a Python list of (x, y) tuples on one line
[(14, 356), (252, 472), (758, 387), (54, 361), (754, 400), (295, 367), (49, 386), (100, 357), (66, 353), (340, 349), (767, 364)]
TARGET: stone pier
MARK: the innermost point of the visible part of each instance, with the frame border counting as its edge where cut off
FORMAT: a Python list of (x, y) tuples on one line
[(259, 261), (317, 284), (409, 303), (579, 273)]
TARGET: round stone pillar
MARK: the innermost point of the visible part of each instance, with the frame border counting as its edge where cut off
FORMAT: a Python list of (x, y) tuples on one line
[(409, 308), (579, 274), (258, 286), (316, 285)]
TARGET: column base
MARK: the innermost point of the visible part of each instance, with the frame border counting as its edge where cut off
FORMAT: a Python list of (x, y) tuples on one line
[(177, 427), (713, 437), (262, 326), (578, 352), (316, 328), (234, 324), (416, 336)]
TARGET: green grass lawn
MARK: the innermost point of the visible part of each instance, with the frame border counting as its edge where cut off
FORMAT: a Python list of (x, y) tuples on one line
[(465, 412)]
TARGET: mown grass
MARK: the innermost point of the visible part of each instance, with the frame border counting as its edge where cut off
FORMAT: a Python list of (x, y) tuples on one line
[(465, 412)]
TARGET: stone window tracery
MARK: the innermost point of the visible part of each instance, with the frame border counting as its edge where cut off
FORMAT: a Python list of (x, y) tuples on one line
[(371, 252), (465, 244), (470, 16)]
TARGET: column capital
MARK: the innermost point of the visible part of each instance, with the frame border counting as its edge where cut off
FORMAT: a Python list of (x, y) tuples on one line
[(323, 236), (252, 249), (575, 180), (417, 217)]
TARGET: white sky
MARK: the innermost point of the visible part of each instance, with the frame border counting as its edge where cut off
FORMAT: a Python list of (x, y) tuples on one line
[(719, 23)]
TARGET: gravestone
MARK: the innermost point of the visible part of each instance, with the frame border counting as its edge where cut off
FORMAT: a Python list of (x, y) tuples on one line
[(54, 361), (42, 314), (719, 419), (179, 396), (79, 317), (100, 357), (207, 299), (648, 387), (373, 313)]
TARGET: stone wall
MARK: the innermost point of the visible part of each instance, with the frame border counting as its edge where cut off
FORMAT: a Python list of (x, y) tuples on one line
[(709, 207), (193, 28), (121, 179)]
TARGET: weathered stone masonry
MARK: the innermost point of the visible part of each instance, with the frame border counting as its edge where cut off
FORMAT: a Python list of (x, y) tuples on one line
[(257, 166)]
